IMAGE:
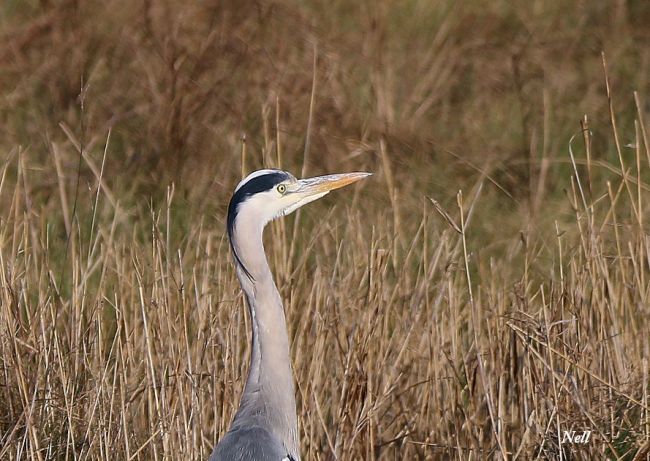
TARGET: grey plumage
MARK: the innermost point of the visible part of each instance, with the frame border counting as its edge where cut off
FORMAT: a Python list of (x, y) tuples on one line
[(265, 427), (251, 443)]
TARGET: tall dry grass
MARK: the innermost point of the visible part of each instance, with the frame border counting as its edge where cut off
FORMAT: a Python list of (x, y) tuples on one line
[(483, 293), (405, 345)]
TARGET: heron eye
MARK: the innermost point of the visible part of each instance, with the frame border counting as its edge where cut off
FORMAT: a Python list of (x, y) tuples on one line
[(281, 188)]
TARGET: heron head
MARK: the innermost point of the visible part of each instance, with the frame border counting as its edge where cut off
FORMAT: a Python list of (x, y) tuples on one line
[(267, 194)]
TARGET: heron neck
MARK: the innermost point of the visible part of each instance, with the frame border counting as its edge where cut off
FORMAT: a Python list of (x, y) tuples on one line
[(268, 398)]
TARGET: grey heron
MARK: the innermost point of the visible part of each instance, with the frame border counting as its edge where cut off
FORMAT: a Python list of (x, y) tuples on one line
[(265, 427)]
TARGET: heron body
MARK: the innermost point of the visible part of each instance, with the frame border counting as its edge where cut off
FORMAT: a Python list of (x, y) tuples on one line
[(265, 427)]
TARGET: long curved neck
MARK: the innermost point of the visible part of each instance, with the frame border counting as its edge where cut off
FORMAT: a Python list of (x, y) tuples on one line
[(268, 399)]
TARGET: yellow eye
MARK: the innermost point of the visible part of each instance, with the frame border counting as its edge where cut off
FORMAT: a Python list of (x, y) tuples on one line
[(282, 188)]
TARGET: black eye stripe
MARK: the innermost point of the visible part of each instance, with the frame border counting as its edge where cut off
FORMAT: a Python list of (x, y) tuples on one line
[(254, 186)]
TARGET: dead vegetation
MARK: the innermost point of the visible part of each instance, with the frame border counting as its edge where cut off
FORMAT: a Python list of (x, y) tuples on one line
[(486, 291)]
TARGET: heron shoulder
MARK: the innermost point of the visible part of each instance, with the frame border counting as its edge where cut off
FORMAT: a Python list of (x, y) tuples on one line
[(251, 443)]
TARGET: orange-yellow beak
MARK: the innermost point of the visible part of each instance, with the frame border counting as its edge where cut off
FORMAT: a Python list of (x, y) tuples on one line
[(321, 184)]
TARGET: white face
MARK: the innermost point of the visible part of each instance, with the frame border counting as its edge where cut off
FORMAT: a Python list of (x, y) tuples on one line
[(277, 202)]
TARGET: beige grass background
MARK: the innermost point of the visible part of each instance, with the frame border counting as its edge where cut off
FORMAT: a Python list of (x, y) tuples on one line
[(485, 291)]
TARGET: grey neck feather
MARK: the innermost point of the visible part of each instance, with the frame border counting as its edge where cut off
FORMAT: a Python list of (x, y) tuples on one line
[(268, 399)]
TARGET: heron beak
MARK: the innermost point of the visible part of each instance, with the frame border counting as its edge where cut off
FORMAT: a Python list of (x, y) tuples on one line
[(324, 184), (307, 190)]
